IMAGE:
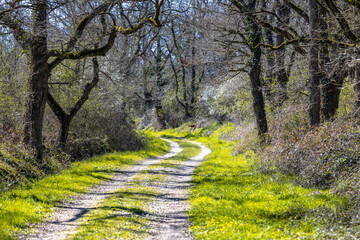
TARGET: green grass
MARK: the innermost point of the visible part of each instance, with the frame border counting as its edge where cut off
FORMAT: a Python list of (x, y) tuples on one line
[(233, 200), (34, 202), (126, 214)]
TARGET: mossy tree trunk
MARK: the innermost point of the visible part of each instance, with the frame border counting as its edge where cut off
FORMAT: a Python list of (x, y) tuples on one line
[(255, 76), (38, 82), (193, 75), (270, 61), (254, 36), (160, 84)]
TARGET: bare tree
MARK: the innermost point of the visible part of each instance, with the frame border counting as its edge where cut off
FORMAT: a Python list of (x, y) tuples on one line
[(43, 60), (254, 36)]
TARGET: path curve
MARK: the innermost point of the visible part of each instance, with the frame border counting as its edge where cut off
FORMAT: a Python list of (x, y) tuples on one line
[(171, 221), (67, 218)]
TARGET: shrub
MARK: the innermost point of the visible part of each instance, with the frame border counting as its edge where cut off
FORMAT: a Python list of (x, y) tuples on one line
[(84, 148), (319, 156), (19, 166)]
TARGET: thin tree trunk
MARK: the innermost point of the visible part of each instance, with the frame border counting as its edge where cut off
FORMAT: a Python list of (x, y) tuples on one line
[(269, 56), (38, 82), (315, 73), (193, 76), (357, 92), (176, 77), (255, 72), (147, 94), (184, 88), (270, 60), (282, 78), (160, 83)]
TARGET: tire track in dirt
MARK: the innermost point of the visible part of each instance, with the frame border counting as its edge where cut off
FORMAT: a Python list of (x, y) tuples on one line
[(68, 216), (170, 219)]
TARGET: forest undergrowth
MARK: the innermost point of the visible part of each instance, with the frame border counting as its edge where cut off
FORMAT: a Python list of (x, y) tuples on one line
[(19, 166)]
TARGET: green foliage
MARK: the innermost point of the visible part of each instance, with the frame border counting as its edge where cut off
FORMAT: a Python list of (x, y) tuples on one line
[(346, 104), (19, 166)]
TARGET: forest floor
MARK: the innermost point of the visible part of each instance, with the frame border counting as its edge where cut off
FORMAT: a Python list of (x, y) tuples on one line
[(150, 197)]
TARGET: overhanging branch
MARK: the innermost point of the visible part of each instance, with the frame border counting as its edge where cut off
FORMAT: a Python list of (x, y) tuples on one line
[(349, 34)]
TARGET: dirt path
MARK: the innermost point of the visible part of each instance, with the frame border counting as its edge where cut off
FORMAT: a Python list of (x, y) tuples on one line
[(171, 221), (68, 216)]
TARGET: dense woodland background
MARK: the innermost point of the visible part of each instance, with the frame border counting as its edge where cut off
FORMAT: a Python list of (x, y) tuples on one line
[(80, 78)]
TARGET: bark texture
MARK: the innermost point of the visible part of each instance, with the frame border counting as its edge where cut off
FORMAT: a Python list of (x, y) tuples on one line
[(283, 12), (314, 65), (255, 77), (38, 82), (160, 84)]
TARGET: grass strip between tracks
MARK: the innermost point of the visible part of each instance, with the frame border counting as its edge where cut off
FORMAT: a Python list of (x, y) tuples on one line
[(127, 214)]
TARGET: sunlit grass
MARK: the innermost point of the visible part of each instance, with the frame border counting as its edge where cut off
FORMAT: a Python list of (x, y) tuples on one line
[(34, 202), (189, 150), (125, 215), (149, 177), (233, 200)]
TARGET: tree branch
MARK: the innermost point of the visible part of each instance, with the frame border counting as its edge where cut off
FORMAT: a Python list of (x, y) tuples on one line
[(62, 55), (58, 110), (55, 107), (298, 10), (88, 88), (342, 21), (276, 29), (304, 40), (101, 51), (84, 22), (21, 36)]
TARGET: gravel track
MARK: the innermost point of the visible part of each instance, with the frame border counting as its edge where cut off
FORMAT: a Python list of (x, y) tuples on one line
[(170, 219), (68, 216)]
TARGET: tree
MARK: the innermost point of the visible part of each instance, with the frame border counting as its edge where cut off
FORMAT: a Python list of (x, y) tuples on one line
[(254, 37), (315, 73), (43, 60), (65, 118), (283, 13)]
